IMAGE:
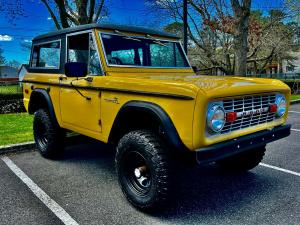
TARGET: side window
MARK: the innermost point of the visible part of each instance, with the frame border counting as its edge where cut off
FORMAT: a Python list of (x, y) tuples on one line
[(46, 55), (81, 48), (94, 63)]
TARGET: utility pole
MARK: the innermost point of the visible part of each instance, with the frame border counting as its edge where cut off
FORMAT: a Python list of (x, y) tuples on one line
[(185, 26)]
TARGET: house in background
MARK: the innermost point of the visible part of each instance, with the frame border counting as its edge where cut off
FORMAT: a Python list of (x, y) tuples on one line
[(8, 73), (292, 66)]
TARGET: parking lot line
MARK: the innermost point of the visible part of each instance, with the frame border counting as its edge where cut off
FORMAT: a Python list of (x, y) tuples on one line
[(38, 192), (294, 112), (295, 130), (280, 169)]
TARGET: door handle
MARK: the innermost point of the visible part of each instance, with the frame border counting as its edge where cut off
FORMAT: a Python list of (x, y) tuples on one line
[(89, 79), (62, 78)]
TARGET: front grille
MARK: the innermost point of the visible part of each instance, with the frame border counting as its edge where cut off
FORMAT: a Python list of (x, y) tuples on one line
[(251, 111)]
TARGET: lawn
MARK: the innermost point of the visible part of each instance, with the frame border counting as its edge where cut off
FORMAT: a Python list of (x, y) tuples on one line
[(15, 128), (10, 89), (295, 97)]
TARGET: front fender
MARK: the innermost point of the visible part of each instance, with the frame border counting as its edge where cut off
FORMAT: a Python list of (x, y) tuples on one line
[(159, 114)]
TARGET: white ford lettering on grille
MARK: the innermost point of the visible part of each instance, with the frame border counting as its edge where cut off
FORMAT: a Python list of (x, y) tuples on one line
[(252, 112)]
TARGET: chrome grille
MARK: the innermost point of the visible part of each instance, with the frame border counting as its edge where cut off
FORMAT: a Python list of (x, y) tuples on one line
[(244, 106)]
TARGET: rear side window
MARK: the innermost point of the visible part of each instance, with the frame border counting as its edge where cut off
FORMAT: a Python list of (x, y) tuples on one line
[(46, 55)]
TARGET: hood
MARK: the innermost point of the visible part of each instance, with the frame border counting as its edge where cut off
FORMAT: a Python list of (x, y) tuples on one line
[(191, 85), (220, 86)]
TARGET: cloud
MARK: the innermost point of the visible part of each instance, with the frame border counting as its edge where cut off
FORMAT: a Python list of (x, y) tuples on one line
[(5, 37), (49, 18), (27, 41)]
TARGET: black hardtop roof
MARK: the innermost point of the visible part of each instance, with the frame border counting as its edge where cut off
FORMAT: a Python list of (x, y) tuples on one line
[(134, 29)]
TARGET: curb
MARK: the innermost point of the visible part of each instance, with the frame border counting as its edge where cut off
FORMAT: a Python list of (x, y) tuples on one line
[(20, 147), (295, 102)]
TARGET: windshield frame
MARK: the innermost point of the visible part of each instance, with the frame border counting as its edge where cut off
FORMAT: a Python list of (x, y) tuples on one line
[(142, 37)]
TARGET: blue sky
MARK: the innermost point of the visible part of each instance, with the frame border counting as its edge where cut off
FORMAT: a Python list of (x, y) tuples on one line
[(37, 21)]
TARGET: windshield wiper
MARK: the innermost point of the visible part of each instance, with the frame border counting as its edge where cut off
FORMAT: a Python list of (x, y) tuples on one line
[(156, 41), (126, 36)]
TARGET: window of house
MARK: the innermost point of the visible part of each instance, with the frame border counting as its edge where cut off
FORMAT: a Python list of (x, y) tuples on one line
[(46, 55)]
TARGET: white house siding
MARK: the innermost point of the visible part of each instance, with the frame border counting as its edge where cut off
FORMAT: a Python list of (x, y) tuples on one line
[(7, 72), (287, 69)]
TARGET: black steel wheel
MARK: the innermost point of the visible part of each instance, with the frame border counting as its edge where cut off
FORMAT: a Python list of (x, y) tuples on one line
[(49, 138), (143, 169)]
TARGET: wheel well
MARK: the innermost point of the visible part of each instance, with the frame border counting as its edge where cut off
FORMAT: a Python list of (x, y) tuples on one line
[(134, 119), (145, 115), (40, 99), (37, 101)]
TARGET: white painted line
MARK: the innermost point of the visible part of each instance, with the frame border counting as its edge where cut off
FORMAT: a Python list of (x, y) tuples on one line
[(294, 112), (280, 169), (49, 202), (295, 130)]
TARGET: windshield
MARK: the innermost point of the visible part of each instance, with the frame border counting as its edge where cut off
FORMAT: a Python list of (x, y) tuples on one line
[(123, 50)]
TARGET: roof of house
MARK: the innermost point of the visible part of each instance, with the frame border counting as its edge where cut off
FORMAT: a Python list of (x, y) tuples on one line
[(135, 29)]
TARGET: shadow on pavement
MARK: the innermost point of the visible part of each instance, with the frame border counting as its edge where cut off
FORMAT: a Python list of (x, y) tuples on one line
[(202, 191)]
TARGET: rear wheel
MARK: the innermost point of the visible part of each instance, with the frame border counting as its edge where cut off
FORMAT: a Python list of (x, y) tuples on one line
[(143, 169), (49, 138), (244, 161)]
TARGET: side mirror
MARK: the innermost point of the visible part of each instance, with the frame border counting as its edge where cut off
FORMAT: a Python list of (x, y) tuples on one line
[(76, 69)]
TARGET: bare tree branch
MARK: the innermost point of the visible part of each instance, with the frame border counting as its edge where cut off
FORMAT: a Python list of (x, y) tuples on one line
[(99, 10), (91, 11), (51, 14)]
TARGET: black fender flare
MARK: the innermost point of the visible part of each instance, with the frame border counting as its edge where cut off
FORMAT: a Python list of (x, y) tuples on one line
[(171, 134), (44, 94)]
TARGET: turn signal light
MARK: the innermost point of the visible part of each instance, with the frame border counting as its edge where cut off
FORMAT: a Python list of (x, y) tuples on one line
[(273, 108), (231, 117)]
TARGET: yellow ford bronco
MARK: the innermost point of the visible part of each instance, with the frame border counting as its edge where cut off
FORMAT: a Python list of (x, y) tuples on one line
[(134, 87)]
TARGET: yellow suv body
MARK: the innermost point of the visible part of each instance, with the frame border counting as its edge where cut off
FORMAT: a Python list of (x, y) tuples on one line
[(125, 84)]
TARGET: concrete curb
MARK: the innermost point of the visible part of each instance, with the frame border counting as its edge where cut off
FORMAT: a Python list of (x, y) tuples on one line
[(20, 147), (295, 102)]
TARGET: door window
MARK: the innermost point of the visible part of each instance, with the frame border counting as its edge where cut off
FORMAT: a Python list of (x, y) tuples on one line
[(82, 48)]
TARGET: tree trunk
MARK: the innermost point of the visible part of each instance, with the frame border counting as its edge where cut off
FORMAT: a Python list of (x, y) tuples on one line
[(242, 14), (241, 47)]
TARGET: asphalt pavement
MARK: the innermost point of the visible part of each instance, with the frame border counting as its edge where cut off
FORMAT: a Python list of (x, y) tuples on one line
[(84, 185)]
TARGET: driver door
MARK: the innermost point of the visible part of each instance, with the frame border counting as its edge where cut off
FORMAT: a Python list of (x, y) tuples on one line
[(79, 100)]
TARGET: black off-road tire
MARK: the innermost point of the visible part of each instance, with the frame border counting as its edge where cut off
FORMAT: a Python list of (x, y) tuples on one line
[(244, 161), (48, 136), (139, 148)]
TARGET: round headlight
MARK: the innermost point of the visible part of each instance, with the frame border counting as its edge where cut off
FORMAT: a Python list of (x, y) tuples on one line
[(215, 118), (281, 105)]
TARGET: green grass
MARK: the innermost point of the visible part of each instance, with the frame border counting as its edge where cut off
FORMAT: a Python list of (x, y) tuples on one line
[(10, 89), (15, 128), (295, 97)]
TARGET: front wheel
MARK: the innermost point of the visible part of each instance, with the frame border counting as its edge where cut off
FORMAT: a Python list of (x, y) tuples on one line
[(243, 161), (143, 169), (49, 138)]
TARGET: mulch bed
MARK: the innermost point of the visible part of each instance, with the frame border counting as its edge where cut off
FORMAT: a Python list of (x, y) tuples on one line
[(11, 104)]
